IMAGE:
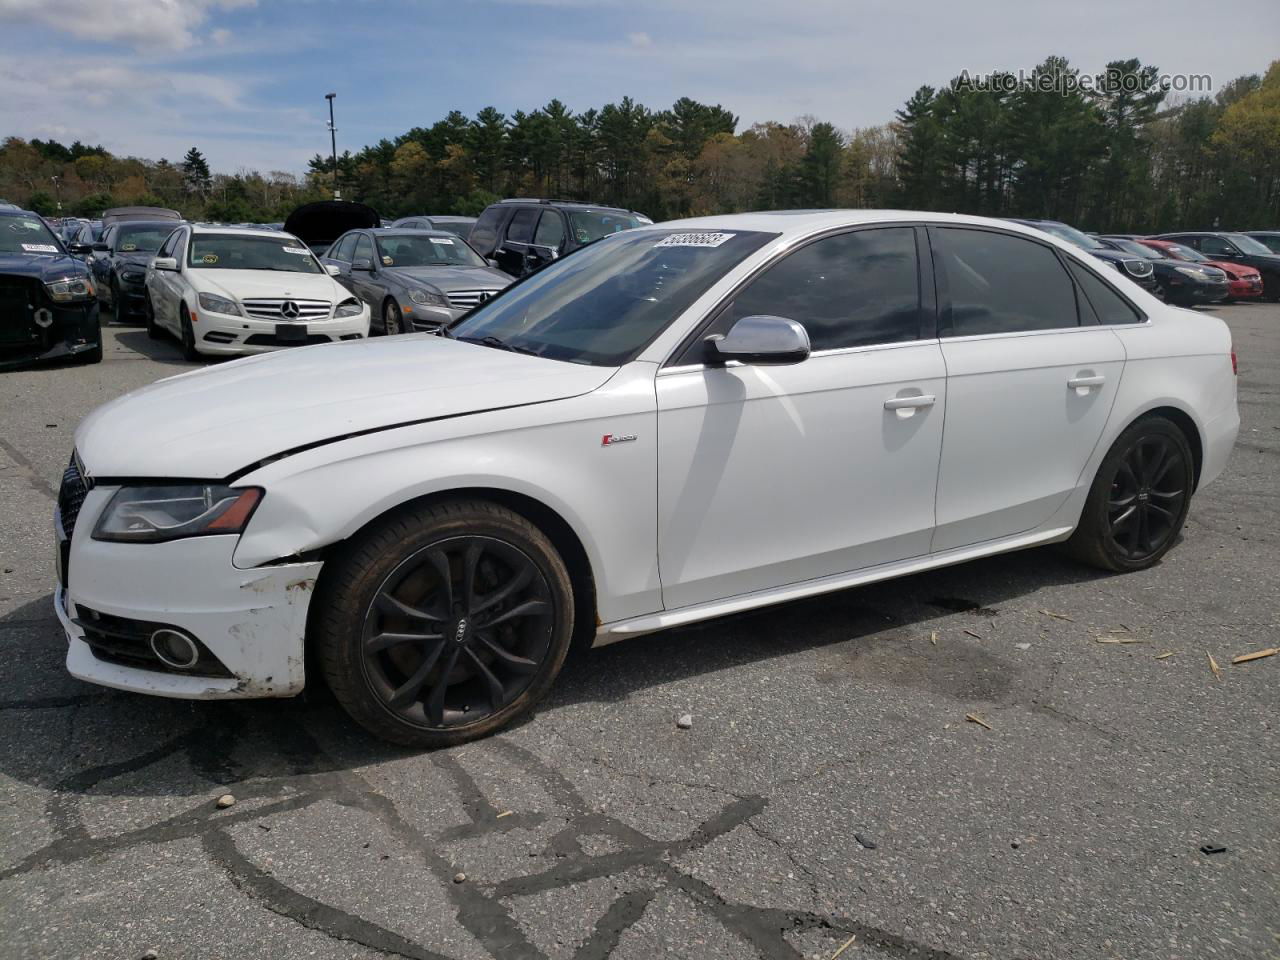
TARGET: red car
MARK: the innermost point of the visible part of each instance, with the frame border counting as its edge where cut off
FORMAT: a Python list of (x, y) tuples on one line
[(1243, 283)]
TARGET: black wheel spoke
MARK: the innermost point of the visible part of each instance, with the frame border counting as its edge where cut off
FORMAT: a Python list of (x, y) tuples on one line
[(440, 561), (1152, 467), (514, 663), (434, 703), (1171, 461), (390, 605), (530, 608), (407, 692), (492, 683), (1156, 508), (382, 641), (521, 580), (469, 561)]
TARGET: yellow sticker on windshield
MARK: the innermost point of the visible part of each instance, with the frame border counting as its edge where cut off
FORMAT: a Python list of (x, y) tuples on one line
[(128, 247), (209, 258), (387, 261)]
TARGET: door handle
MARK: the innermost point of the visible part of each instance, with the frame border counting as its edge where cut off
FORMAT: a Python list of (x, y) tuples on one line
[(907, 406), (1082, 385)]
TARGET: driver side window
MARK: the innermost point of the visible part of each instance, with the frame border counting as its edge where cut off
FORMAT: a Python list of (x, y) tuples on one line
[(364, 249), (550, 230), (342, 249), (1218, 246)]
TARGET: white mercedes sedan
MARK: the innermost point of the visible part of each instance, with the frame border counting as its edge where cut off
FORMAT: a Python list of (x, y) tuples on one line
[(229, 290), (675, 423)]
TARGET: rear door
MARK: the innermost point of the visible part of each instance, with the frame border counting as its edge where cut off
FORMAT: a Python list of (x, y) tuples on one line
[(1029, 387), (514, 247), (775, 475)]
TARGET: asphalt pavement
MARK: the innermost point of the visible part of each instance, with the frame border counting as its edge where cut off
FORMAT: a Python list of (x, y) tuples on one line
[(951, 765)]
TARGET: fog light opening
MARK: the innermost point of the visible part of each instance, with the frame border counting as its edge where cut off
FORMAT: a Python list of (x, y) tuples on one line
[(174, 649)]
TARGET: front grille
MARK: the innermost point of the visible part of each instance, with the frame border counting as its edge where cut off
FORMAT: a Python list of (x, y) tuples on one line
[(71, 495), (16, 303), (274, 309), (466, 299), (271, 340), (127, 642)]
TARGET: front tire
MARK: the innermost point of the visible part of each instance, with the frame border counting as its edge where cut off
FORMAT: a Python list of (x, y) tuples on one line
[(149, 311), (392, 319), (442, 623), (189, 349), (1139, 498)]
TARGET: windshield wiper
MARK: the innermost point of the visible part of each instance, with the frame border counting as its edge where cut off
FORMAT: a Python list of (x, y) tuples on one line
[(492, 341)]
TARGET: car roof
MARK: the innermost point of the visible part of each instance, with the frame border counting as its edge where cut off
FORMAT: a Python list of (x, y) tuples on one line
[(579, 204), (386, 231), (804, 222), (205, 228)]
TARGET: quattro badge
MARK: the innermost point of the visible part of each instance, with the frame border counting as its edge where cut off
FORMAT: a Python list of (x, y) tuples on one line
[(609, 439)]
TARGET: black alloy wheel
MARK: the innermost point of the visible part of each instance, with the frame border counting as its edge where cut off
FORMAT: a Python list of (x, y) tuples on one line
[(1139, 498), (457, 631), (442, 623)]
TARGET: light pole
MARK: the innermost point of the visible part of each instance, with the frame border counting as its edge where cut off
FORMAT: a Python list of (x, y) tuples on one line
[(333, 145), (57, 193)]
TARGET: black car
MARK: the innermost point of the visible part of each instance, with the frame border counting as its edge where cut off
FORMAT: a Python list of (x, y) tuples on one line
[(1236, 248), (1137, 269), (1181, 283), (412, 279), (119, 263), (1268, 238), (319, 224), (458, 226), (87, 234), (520, 236), (47, 307)]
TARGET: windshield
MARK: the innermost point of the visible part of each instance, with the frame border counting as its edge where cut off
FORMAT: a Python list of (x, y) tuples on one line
[(603, 304), (1182, 252), (425, 250), (1248, 244), (1070, 234), (27, 235), (142, 237), (228, 251), (592, 226), (459, 228), (1136, 248)]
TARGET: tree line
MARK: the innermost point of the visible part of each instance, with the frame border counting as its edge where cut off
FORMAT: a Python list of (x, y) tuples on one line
[(1122, 155)]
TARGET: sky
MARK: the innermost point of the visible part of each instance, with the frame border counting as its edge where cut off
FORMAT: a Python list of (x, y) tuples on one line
[(244, 80)]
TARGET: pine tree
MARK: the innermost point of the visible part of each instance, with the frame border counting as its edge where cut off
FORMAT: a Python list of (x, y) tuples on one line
[(195, 172)]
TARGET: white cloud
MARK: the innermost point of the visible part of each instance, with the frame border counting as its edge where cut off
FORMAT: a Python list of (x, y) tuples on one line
[(147, 25), (640, 39), (220, 36)]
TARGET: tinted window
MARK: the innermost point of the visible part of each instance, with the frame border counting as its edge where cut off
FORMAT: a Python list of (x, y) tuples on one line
[(485, 233), (1001, 284), (166, 249), (594, 225), (520, 229), (142, 237), (27, 235), (1248, 245), (550, 230), (1216, 245), (849, 290), (364, 248), (1100, 300), (342, 250), (603, 304)]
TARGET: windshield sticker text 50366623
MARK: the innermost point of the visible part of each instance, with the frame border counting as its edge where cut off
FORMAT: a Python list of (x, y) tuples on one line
[(694, 240)]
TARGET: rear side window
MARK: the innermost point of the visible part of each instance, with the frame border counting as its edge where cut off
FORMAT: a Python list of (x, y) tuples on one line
[(849, 290), (521, 228), (999, 283), (484, 235), (550, 230), (1105, 304)]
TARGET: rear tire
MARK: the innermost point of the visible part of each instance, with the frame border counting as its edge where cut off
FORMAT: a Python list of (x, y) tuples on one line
[(1139, 498), (442, 623)]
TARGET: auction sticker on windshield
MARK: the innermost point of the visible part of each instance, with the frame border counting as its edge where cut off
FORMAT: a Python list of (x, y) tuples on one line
[(442, 240), (39, 248), (694, 240), (301, 251)]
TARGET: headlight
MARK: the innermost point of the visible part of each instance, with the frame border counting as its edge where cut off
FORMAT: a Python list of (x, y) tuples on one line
[(70, 288), (216, 304), (432, 297), (134, 277), (156, 514), (1195, 273), (348, 308)]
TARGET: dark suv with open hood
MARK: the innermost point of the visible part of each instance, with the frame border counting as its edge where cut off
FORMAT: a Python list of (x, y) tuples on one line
[(47, 305), (521, 236)]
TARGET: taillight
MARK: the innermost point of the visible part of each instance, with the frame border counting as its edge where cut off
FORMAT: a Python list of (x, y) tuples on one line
[(1234, 369)]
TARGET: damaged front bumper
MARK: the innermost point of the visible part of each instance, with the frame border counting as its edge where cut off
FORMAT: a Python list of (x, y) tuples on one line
[(47, 331), (250, 624)]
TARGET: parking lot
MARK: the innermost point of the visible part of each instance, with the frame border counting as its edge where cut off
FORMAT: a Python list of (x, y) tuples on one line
[(1016, 758)]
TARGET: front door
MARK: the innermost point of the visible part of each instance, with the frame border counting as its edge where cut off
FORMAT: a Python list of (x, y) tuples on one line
[(1029, 388), (774, 475)]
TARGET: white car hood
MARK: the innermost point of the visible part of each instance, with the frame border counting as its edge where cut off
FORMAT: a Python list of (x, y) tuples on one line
[(268, 284), (213, 422)]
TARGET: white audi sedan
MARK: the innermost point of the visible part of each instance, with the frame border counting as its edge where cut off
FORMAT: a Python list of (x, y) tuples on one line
[(228, 291), (675, 423)]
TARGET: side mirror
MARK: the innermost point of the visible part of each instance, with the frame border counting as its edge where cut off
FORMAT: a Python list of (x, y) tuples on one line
[(332, 269), (165, 263), (101, 247), (492, 262), (546, 253), (363, 264), (78, 248), (764, 340)]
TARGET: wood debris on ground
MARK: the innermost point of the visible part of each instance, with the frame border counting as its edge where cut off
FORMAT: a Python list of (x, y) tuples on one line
[(843, 947), (933, 638), (1166, 655), (504, 813), (976, 636), (1057, 616), (974, 718), (1213, 665), (1256, 655), (1120, 634)]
